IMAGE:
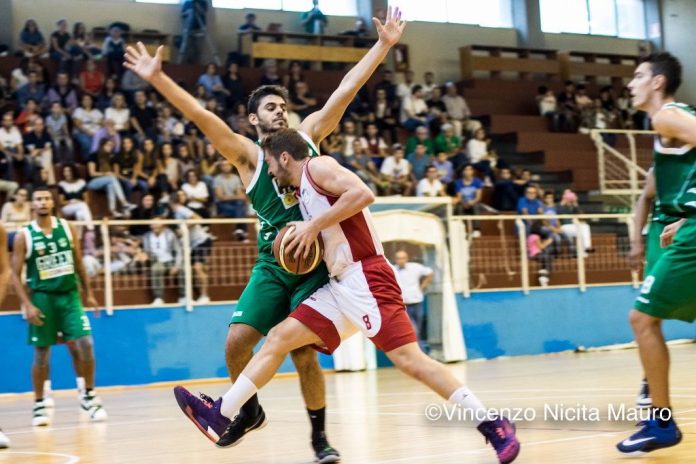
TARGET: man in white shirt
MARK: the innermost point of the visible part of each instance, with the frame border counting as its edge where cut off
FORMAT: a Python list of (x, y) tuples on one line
[(166, 257), (413, 279), (429, 85), (11, 154), (396, 172), (458, 111), (414, 110), (404, 89), (430, 185)]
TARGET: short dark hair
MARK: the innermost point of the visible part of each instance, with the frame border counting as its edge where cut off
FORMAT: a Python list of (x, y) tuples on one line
[(667, 65), (416, 88), (43, 188), (288, 140), (263, 91)]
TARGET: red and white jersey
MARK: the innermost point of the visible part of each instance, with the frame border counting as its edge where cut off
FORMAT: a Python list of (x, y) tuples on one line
[(350, 241)]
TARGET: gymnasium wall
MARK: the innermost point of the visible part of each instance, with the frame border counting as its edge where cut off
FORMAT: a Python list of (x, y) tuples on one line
[(431, 46), (139, 346), (678, 19)]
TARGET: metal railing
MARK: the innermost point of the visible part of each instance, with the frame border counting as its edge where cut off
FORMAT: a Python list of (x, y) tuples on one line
[(620, 175)]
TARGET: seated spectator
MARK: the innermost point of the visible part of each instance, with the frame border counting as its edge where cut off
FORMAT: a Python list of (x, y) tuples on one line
[(92, 80), (333, 146), (294, 75), (197, 193), (186, 161), (552, 226), (57, 127), (458, 111), (413, 279), (372, 143), (33, 89), (421, 136), (82, 43), (63, 92), (505, 196), (107, 132), (110, 89), (19, 76), (31, 40), (132, 83), (156, 183), (200, 94), (17, 212), (12, 146), (522, 181), (270, 73), (201, 245), (59, 49), (314, 21), (444, 167), (405, 88), (38, 146), (112, 51), (208, 166), (303, 103), (539, 248), (468, 191), (430, 185), (386, 112), (230, 198), (414, 111), (143, 118), (127, 165), (120, 114), (429, 85), (211, 81), (420, 160), (480, 154), (72, 194), (86, 123), (530, 204), (166, 258), (233, 86), (363, 166), (396, 173), (25, 119), (239, 119), (249, 24), (194, 142), (171, 129), (569, 205), (102, 177), (548, 107), (169, 167), (7, 183), (349, 135), (437, 111), (446, 141)]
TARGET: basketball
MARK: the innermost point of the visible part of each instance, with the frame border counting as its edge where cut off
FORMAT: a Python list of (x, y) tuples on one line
[(286, 259)]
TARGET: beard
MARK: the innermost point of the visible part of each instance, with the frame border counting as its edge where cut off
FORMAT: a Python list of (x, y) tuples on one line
[(269, 128)]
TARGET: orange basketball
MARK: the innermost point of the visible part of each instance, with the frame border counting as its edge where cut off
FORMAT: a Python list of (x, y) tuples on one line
[(286, 259)]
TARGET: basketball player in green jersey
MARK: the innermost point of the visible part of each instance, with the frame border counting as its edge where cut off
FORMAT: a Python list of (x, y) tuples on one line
[(669, 289), (54, 275), (4, 280), (271, 292)]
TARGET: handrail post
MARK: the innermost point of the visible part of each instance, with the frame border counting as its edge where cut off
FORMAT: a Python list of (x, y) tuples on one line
[(580, 253), (188, 272), (632, 172), (108, 278), (524, 260), (601, 168), (635, 278)]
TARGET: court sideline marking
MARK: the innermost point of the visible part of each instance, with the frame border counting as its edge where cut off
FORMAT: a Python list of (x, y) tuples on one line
[(71, 459)]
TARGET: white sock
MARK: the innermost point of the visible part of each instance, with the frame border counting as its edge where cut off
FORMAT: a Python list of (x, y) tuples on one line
[(234, 399), (47, 387), (80, 381), (466, 399)]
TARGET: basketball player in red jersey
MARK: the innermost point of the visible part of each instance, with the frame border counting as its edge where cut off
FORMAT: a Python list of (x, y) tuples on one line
[(362, 294)]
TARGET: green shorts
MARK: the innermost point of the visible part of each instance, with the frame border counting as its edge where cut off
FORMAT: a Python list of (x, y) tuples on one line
[(669, 289), (653, 250), (63, 315), (272, 294)]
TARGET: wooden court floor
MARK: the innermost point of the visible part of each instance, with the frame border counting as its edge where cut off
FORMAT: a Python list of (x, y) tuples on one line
[(375, 417)]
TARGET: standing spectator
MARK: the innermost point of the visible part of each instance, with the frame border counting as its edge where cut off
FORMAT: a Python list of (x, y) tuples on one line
[(86, 121), (249, 24), (569, 205), (112, 50), (396, 172), (230, 199), (31, 40), (102, 177), (63, 92), (39, 147), (17, 212), (539, 248), (12, 146), (33, 89), (447, 141), (469, 190), (197, 193), (57, 126), (421, 136), (119, 113), (522, 181), (143, 117), (445, 169), (233, 86), (505, 196), (458, 111), (420, 160), (430, 185), (127, 166), (60, 47), (413, 278), (568, 107), (385, 114), (314, 21), (211, 81), (405, 89), (166, 258), (414, 111)]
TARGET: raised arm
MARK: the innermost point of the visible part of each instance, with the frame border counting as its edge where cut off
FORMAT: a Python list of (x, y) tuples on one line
[(239, 150), (321, 123)]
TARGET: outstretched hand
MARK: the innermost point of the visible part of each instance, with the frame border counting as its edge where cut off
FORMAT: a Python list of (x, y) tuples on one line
[(142, 63), (390, 32)]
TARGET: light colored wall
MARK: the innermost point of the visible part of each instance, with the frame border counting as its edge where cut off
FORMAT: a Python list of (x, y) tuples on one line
[(591, 43), (678, 18)]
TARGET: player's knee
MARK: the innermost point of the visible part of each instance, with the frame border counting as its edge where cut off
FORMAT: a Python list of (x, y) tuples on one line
[(41, 357), (240, 340), (276, 340), (406, 364), (641, 321), (305, 358), (85, 348)]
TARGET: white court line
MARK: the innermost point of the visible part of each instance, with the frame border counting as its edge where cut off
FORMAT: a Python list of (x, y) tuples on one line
[(71, 459), (83, 426)]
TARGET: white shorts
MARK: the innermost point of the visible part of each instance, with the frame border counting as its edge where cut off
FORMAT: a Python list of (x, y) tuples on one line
[(366, 297)]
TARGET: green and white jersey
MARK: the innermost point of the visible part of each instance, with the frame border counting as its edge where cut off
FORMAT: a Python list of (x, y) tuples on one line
[(49, 258), (675, 174), (274, 205)]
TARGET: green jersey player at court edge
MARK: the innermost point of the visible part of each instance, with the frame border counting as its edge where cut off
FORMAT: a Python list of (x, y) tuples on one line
[(271, 293), (54, 273), (669, 289)]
